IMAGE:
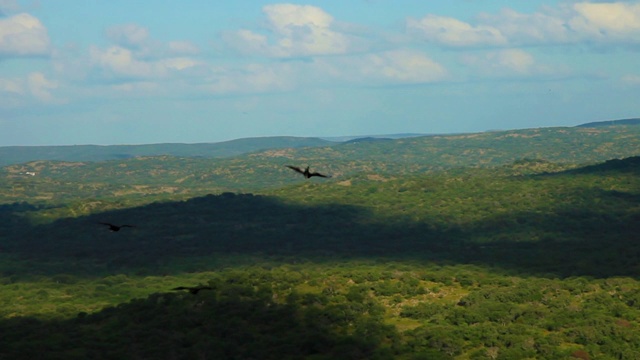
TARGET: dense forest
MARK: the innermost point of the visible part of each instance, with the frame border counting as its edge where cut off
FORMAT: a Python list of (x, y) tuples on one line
[(413, 249)]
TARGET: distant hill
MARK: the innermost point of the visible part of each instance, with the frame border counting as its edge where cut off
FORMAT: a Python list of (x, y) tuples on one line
[(20, 154), (366, 139), (565, 145), (634, 121), (386, 136), (10, 155), (545, 149)]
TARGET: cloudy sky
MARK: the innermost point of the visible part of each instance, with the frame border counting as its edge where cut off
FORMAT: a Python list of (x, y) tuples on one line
[(133, 72)]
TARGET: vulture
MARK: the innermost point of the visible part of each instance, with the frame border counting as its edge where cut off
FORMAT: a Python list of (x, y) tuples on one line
[(306, 173), (115, 227), (193, 289)]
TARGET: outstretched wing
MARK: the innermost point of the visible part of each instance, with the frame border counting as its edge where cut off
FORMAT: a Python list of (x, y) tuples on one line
[(196, 290), (193, 289), (180, 288), (295, 168), (318, 174)]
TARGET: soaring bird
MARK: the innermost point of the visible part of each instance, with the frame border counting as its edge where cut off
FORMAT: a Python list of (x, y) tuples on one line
[(193, 289), (306, 173), (115, 227)]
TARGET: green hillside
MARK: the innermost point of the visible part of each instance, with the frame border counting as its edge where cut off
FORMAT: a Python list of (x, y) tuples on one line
[(562, 147), (503, 245), (480, 142)]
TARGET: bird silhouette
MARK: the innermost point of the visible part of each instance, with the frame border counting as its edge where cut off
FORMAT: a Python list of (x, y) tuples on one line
[(306, 173), (115, 227), (193, 289)]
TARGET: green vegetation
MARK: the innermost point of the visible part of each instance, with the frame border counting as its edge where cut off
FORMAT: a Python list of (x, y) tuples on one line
[(416, 258)]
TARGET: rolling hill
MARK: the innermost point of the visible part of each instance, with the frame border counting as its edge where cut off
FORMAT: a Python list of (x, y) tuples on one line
[(10, 155), (633, 121), (385, 158), (20, 154)]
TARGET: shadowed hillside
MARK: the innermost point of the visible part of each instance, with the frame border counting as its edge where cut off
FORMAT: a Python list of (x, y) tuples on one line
[(235, 321), (525, 223), (628, 165)]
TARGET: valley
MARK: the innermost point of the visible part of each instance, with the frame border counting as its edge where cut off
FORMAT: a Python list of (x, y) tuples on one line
[(497, 245)]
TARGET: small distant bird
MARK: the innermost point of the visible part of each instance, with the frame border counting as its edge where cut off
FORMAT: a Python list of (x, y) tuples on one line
[(116, 227), (193, 289), (307, 174)]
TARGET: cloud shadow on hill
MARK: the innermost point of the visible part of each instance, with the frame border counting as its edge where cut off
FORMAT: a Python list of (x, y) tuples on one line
[(232, 322), (571, 242)]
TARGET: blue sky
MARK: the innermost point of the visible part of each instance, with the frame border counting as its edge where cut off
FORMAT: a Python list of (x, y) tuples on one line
[(135, 72)]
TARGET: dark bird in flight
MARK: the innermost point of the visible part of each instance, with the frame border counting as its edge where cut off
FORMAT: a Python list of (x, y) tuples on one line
[(115, 227), (306, 173), (193, 289)]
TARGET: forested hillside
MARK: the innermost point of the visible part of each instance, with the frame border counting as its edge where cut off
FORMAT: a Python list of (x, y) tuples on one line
[(481, 148), (564, 147), (480, 246)]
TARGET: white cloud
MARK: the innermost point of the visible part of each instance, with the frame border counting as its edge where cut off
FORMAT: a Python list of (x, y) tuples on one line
[(138, 39), (631, 79), (120, 62), (251, 78), (11, 86), (8, 6), (178, 63), (533, 28), (601, 22), (516, 60), (248, 42), (286, 17), (39, 86), (298, 30), (128, 35), (607, 20), (389, 67), (137, 65), (12, 94), (402, 66), (23, 35), (452, 32), (504, 63), (137, 88), (183, 48), (34, 86)]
